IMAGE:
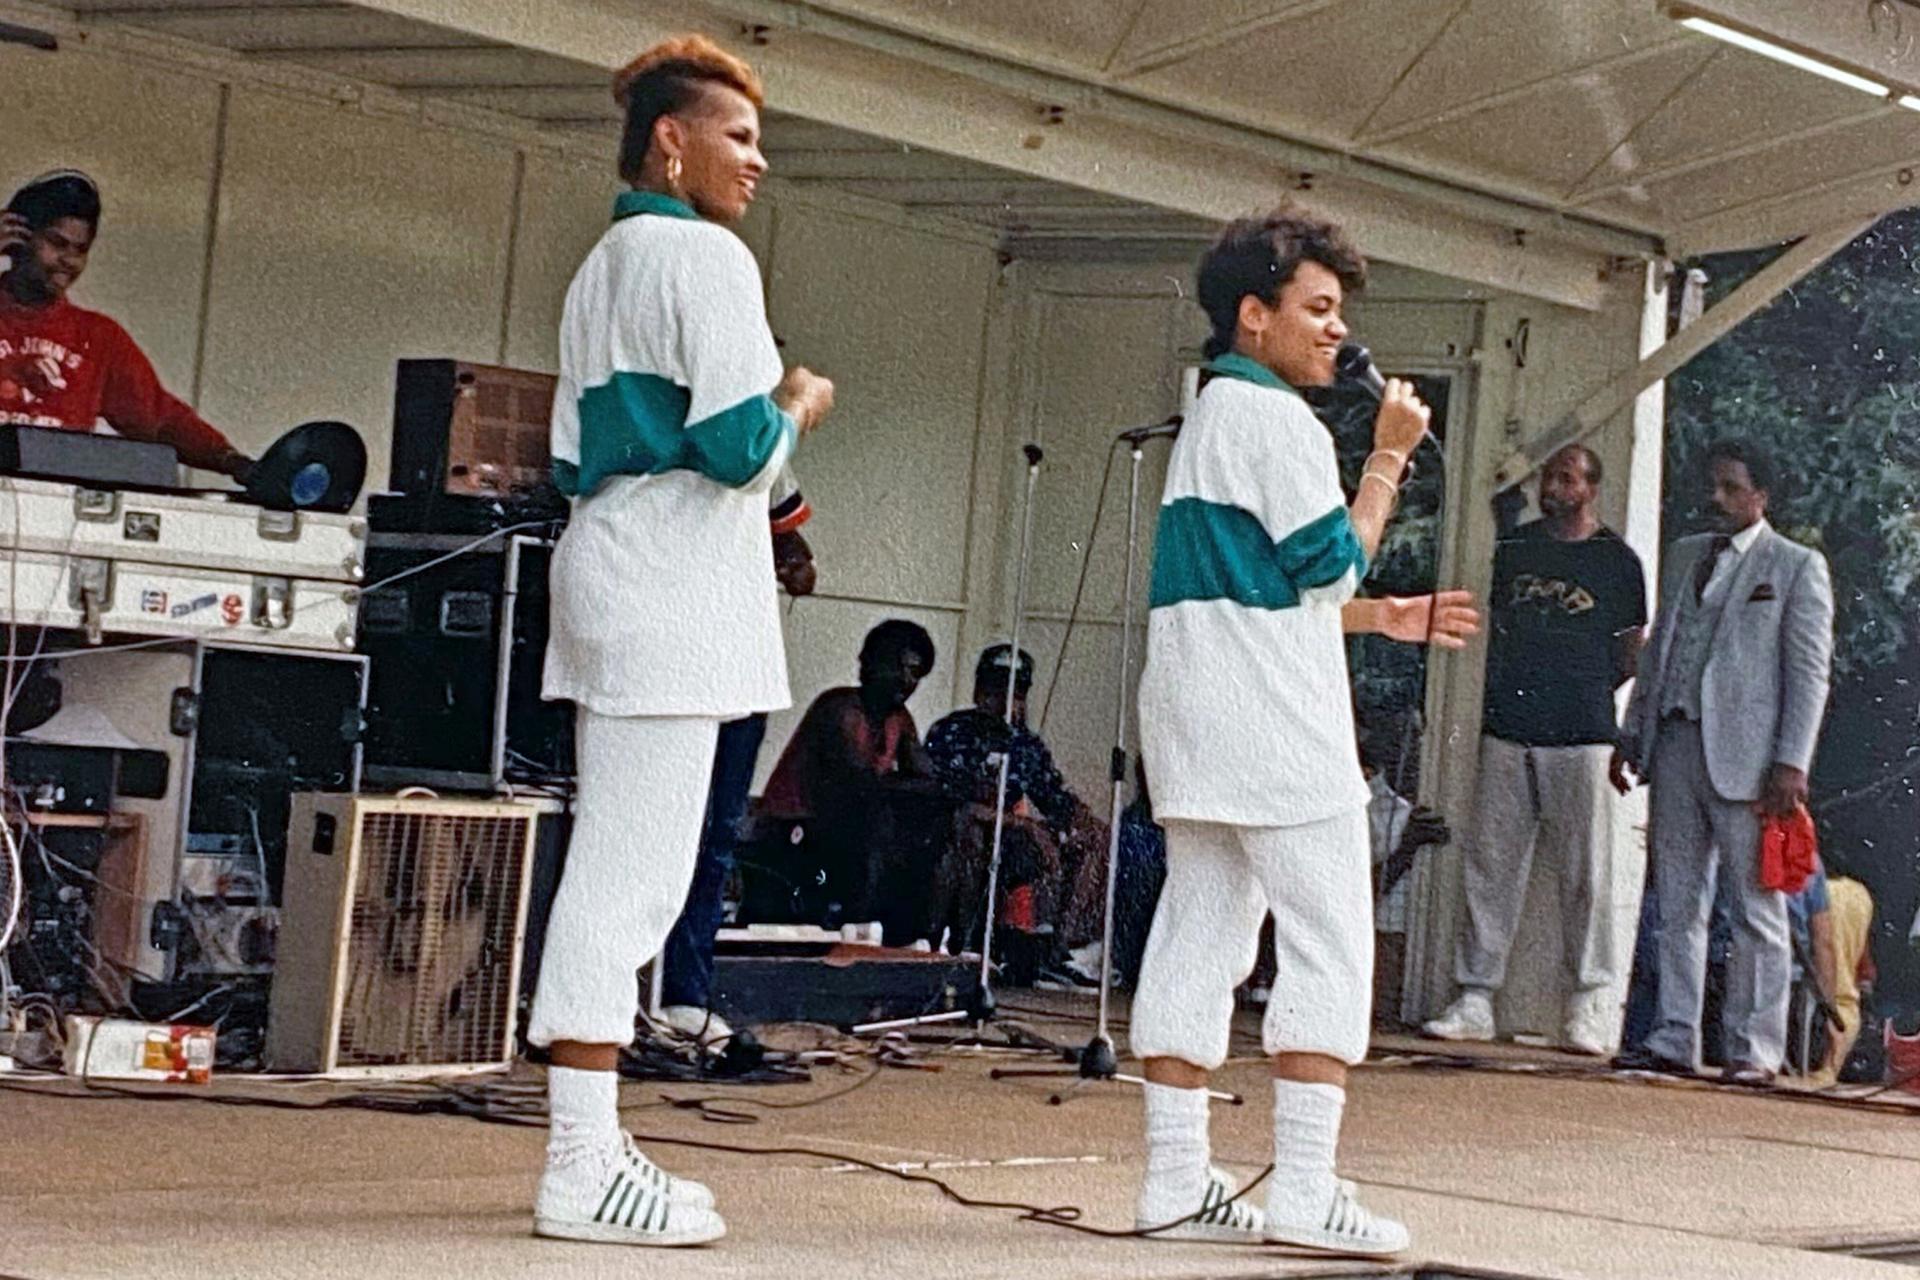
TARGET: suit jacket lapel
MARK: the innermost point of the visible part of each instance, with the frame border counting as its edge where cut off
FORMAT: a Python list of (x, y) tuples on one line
[(1751, 569)]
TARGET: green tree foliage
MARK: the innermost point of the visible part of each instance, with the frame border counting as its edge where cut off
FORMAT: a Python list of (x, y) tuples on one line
[(1827, 379)]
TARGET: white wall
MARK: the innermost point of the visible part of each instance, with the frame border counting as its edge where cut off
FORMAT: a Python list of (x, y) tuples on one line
[(276, 253)]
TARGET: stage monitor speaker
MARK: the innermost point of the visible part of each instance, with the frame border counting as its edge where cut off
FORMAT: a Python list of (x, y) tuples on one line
[(401, 935), (457, 650)]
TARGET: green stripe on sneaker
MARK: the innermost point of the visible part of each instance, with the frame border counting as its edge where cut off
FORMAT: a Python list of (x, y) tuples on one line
[(607, 1199)]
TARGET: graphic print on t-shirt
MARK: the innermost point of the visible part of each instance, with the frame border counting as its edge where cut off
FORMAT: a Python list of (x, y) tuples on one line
[(1558, 612)]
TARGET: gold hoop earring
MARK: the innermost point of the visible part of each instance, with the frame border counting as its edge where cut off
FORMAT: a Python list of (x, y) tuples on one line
[(673, 174)]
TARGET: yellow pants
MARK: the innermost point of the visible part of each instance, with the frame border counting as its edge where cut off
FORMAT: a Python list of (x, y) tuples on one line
[(1850, 908)]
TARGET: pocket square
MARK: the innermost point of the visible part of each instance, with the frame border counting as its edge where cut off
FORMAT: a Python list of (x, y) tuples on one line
[(1762, 593)]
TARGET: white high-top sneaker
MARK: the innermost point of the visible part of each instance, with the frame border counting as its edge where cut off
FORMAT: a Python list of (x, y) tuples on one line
[(1591, 1022), (1345, 1226), (1468, 1018), (615, 1195), (1221, 1216)]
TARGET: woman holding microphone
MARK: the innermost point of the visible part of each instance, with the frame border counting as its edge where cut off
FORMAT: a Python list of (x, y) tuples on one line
[(672, 419), (1246, 730)]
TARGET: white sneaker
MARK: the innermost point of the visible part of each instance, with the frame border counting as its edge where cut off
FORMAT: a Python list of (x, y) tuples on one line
[(700, 1025), (1468, 1018), (1590, 1026), (1345, 1227), (615, 1195), (1221, 1216)]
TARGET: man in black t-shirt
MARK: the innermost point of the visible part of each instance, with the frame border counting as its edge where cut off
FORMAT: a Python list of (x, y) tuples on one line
[(1569, 606)]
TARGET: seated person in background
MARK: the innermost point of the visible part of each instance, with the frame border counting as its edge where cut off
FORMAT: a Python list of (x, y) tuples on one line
[(1832, 922), (66, 367), (856, 773), (1053, 849)]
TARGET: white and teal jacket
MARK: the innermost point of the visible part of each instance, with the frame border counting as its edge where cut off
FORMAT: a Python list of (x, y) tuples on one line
[(1246, 716), (667, 440)]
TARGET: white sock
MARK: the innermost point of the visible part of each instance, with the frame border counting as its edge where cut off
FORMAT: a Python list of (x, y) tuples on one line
[(1306, 1132), (1177, 1153), (583, 1109)]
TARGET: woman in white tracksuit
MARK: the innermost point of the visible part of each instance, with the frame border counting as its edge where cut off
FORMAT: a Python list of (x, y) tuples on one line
[(1246, 730), (671, 421)]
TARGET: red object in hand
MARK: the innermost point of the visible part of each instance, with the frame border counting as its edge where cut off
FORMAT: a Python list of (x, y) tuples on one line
[(1789, 850), (1020, 913)]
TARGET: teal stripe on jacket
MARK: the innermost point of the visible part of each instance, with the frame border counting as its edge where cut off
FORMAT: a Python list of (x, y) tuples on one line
[(635, 424), (1213, 551)]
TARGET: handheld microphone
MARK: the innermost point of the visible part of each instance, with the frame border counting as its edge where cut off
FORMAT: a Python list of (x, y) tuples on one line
[(1169, 428), (1354, 363)]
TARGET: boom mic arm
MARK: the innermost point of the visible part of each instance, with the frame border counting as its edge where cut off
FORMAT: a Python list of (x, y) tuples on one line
[(1169, 428)]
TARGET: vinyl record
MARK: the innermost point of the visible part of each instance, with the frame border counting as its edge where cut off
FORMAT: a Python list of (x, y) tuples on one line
[(317, 466)]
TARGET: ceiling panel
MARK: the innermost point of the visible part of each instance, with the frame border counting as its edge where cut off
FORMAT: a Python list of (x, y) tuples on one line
[(1495, 45), (1547, 142), (1290, 75), (1886, 145), (1165, 33), (1723, 108)]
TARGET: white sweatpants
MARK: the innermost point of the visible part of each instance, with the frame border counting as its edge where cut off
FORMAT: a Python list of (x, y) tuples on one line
[(641, 799), (1221, 882)]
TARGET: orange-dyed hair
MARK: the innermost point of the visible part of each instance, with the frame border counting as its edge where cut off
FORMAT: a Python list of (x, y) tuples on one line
[(665, 79)]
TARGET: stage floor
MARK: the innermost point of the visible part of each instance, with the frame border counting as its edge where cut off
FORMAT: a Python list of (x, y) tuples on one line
[(1511, 1166)]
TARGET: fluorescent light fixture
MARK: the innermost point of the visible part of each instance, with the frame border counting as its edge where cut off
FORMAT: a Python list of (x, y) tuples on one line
[(1780, 53), (1910, 102)]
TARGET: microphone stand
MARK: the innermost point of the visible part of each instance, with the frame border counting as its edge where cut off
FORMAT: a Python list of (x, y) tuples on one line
[(981, 1007), (1097, 1060)]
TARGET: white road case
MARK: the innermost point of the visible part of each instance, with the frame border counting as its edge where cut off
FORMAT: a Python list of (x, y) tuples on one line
[(200, 531), (127, 597)]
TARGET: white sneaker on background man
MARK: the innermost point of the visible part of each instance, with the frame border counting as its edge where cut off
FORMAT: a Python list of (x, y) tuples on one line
[(1468, 1018)]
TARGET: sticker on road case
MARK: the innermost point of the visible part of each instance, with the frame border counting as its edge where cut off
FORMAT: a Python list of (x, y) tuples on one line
[(141, 526)]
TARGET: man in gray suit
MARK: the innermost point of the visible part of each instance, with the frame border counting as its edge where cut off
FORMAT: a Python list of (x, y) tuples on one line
[(1722, 723)]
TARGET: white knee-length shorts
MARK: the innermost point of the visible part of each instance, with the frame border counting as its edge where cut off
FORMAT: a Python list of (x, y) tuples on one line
[(1221, 882)]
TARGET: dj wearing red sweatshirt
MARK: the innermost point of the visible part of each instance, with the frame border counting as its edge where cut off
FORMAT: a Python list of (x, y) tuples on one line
[(66, 367)]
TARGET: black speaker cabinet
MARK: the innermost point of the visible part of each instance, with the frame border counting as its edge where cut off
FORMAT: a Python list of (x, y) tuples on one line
[(456, 651)]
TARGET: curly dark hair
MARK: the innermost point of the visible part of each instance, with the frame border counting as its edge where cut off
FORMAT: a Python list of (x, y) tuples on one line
[(894, 637), (1258, 255)]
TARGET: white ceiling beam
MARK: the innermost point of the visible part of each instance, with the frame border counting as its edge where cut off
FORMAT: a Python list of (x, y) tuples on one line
[(979, 109)]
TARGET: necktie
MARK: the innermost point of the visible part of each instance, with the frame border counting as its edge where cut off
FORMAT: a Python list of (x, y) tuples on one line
[(1703, 572)]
